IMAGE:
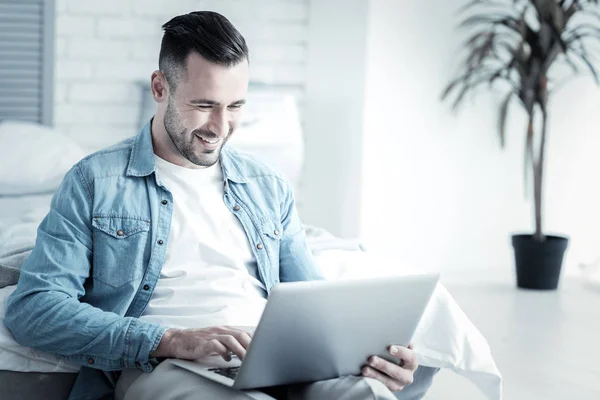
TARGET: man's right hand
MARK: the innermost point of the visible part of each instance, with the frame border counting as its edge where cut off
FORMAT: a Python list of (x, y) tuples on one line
[(191, 344)]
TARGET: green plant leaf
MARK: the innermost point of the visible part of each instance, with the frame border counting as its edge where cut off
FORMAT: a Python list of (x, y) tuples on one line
[(471, 81), (460, 96), (494, 19), (502, 119), (483, 3), (571, 63), (475, 37), (472, 4), (578, 38), (480, 53), (450, 87), (587, 27), (583, 56)]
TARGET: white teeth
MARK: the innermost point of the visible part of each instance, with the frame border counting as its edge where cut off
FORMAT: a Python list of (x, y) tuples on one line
[(208, 141)]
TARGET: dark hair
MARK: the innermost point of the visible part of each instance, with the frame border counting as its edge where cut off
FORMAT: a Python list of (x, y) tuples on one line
[(208, 33)]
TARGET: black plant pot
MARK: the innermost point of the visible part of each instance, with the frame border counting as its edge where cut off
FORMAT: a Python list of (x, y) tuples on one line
[(539, 263)]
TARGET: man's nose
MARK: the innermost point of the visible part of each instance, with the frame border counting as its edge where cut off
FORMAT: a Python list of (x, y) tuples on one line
[(219, 123)]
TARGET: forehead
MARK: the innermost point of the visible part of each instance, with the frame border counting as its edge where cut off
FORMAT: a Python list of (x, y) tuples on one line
[(207, 80)]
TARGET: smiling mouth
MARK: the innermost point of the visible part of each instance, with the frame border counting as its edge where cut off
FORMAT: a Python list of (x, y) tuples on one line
[(212, 141)]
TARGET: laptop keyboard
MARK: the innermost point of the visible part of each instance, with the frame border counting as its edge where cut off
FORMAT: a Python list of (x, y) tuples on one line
[(230, 372)]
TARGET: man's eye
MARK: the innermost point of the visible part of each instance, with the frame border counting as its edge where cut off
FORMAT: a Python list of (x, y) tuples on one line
[(235, 106), (205, 107)]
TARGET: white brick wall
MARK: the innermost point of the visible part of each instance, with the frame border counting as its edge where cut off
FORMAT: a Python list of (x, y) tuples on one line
[(81, 48), (106, 50), (68, 71), (125, 28), (101, 93)]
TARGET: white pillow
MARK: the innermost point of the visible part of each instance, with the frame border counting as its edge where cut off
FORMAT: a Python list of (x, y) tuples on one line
[(34, 158), (271, 130)]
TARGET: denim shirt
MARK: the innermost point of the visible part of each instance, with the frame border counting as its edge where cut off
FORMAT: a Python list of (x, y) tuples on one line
[(100, 250)]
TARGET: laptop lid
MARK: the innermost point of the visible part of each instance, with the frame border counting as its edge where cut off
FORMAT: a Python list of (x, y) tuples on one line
[(318, 330)]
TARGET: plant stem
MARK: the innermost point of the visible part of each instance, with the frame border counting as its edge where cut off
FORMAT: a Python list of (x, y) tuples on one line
[(538, 174)]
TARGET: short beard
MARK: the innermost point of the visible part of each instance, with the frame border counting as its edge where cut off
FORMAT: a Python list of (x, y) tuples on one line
[(184, 143)]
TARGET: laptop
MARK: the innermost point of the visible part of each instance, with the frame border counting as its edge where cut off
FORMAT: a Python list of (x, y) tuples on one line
[(319, 330)]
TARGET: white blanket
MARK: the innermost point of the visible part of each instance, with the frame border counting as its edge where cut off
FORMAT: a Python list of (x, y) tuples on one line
[(445, 337)]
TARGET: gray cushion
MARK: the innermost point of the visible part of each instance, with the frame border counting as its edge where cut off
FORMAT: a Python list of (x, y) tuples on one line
[(36, 385)]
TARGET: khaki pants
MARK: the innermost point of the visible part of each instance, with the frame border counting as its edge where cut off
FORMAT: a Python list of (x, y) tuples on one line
[(170, 382)]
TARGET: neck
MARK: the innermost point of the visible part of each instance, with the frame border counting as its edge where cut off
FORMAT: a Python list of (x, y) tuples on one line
[(163, 145)]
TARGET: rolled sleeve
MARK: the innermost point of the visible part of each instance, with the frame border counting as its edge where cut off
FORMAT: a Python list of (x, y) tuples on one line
[(141, 340)]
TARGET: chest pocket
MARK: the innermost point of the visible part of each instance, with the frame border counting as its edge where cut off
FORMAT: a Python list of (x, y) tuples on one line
[(271, 236), (119, 247)]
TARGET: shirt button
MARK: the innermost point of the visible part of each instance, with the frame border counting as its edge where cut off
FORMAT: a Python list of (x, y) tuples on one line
[(259, 246), (91, 361), (236, 208), (120, 232), (160, 242), (164, 202), (276, 233), (146, 287)]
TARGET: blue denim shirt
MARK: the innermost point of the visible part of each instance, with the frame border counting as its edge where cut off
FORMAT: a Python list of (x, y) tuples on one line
[(100, 250)]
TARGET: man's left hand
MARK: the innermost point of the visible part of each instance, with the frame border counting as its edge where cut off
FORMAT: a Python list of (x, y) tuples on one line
[(394, 376)]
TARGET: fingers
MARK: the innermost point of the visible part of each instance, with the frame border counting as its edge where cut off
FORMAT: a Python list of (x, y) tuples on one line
[(233, 345), (215, 347), (402, 376), (248, 329), (243, 337), (224, 341), (390, 383), (407, 356), (394, 376), (225, 346)]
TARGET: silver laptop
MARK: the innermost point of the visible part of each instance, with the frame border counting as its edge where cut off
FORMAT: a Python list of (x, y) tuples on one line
[(318, 330)]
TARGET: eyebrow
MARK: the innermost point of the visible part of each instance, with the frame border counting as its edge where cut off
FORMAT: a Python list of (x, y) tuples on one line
[(216, 103)]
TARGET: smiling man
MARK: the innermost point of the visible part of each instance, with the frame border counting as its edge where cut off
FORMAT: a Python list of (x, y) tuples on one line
[(154, 248)]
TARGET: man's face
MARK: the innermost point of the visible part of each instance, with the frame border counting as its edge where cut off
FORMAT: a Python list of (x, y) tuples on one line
[(205, 109)]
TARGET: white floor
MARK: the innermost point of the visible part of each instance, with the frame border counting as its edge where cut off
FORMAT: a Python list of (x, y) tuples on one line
[(546, 344)]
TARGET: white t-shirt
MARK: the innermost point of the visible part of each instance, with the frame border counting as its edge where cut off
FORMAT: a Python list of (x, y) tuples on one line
[(209, 277)]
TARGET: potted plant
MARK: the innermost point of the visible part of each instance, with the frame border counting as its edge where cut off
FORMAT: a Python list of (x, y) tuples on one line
[(515, 44)]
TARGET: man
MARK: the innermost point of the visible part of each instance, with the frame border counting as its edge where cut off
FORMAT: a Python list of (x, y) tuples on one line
[(154, 248)]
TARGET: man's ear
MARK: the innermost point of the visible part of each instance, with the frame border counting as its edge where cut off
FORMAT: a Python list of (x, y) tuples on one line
[(159, 86)]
